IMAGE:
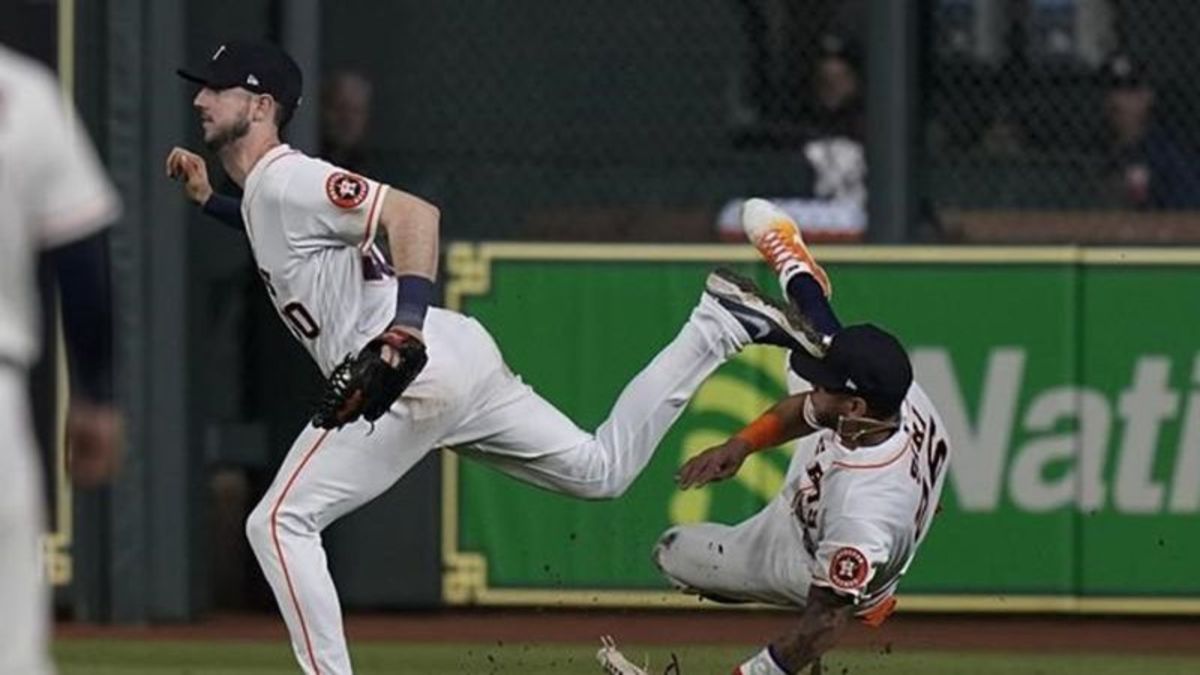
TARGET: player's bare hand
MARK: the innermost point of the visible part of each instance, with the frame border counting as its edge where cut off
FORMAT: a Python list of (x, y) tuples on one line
[(391, 355), (190, 168), (94, 434), (714, 464)]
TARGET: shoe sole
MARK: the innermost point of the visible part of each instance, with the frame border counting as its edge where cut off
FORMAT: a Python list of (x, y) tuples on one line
[(728, 285)]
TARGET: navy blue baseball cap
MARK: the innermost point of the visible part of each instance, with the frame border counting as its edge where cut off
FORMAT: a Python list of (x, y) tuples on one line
[(259, 67), (862, 360)]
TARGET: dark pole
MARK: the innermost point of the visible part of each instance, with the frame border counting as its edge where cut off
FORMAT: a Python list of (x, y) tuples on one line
[(892, 124)]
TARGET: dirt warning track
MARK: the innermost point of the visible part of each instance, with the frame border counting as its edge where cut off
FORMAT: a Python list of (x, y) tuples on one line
[(1005, 633)]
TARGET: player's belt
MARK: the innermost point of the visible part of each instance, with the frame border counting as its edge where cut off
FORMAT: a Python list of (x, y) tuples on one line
[(9, 363)]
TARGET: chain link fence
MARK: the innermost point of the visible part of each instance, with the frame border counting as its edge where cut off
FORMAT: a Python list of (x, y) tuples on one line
[(627, 120), (1063, 119), (593, 121)]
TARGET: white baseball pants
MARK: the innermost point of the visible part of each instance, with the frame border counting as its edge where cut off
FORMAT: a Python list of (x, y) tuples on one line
[(761, 559), (466, 399), (24, 595), (758, 560)]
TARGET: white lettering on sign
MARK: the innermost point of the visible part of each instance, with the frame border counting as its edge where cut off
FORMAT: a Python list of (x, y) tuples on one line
[(1064, 458), (1185, 491), (980, 450), (1144, 407), (1081, 450)]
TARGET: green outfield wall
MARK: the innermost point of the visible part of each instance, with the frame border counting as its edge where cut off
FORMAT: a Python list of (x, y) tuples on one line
[(1069, 381)]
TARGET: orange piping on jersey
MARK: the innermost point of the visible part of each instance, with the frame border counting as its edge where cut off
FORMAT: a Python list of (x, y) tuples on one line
[(891, 460), (312, 656), (875, 616), (372, 222)]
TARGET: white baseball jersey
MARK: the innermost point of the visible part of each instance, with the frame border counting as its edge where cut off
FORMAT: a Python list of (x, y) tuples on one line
[(861, 513), (52, 191), (311, 226)]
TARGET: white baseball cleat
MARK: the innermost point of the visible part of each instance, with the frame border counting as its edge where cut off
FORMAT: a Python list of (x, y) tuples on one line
[(613, 662), (766, 320), (778, 240)]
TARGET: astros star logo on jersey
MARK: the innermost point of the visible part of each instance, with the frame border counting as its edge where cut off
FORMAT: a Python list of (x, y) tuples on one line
[(848, 569), (345, 190)]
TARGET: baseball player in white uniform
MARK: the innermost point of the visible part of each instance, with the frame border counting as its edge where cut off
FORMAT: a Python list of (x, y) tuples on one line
[(53, 198), (312, 228), (860, 492)]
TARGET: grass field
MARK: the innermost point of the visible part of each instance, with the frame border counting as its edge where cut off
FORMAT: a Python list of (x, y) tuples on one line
[(110, 657)]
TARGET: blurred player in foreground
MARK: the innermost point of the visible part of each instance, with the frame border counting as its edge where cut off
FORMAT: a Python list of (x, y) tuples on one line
[(311, 226), (54, 197), (860, 492)]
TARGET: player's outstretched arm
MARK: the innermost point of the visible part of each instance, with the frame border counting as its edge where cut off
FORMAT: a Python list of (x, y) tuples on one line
[(189, 168), (783, 422), (826, 615)]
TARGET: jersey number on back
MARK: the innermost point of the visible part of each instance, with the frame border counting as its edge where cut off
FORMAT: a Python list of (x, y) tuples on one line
[(930, 449), (296, 315)]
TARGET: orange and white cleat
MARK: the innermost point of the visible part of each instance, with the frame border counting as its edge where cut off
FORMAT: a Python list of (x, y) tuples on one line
[(778, 240)]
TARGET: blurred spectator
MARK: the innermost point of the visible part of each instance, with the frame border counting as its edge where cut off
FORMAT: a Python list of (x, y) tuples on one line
[(1147, 166), (345, 116), (834, 144), (833, 203), (781, 36), (837, 90), (1005, 135)]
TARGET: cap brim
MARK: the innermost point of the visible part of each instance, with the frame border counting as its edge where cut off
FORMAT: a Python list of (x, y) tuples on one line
[(816, 372), (191, 77), (204, 80)]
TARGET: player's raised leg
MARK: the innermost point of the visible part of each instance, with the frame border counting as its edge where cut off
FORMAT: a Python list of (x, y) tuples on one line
[(779, 242), (520, 433)]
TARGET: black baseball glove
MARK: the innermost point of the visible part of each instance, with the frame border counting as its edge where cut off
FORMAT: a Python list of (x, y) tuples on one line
[(368, 384)]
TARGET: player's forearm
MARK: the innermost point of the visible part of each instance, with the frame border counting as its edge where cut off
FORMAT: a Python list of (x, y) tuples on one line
[(82, 271), (800, 647), (791, 411), (826, 615), (412, 226), (782, 423), (226, 209), (824, 620)]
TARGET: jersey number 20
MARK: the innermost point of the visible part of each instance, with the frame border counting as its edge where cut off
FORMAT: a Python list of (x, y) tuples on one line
[(297, 316), (301, 320)]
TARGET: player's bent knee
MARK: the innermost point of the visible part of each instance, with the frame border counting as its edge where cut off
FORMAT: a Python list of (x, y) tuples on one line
[(663, 554), (269, 522), (258, 528), (675, 556), (674, 562)]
